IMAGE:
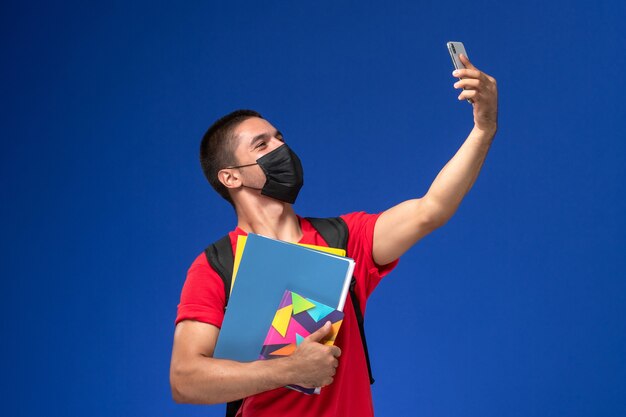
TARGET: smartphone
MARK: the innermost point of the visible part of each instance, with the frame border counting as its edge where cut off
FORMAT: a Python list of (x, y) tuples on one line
[(456, 49)]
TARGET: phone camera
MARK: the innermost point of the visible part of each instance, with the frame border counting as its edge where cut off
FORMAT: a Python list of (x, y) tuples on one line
[(453, 48)]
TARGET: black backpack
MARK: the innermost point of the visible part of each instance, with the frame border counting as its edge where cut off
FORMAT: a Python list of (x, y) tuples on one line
[(333, 230)]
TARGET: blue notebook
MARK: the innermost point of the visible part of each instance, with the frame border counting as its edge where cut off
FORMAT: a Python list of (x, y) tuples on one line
[(269, 267)]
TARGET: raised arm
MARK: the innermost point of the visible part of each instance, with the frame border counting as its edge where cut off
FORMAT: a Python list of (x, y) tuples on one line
[(196, 377), (400, 227)]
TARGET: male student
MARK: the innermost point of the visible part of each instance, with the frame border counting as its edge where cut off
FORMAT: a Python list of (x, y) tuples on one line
[(247, 161)]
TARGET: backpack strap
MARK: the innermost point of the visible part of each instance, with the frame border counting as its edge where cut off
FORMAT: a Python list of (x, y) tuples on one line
[(334, 230), (360, 321), (220, 256), (232, 407)]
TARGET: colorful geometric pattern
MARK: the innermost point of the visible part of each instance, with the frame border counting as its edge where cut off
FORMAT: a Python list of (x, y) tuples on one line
[(296, 318)]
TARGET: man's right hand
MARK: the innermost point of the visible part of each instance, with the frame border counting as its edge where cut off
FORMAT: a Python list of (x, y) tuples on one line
[(314, 364)]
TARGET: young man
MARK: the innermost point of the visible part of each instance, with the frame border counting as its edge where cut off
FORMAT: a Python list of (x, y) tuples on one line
[(246, 160)]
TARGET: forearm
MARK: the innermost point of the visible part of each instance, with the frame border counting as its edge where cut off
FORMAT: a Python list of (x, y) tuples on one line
[(208, 381), (401, 226), (196, 377), (458, 176)]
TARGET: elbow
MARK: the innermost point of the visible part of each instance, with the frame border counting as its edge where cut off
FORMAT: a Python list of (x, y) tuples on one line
[(181, 385), (178, 397), (186, 390), (176, 385)]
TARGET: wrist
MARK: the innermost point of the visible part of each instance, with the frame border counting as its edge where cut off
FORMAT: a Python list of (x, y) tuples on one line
[(286, 372), (487, 130)]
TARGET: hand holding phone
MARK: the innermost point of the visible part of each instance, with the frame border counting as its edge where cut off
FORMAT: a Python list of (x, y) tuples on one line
[(480, 89)]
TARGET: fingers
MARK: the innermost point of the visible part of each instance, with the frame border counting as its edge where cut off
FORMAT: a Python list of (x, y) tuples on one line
[(327, 381), (469, 95), (475, 84), (320, 333), (333, 371), (465, 60), (316, 362), (481, 90), (467, 83), (470, 87), (467, 73)]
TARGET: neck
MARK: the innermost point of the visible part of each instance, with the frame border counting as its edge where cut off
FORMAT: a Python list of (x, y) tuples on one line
[(268, 217)]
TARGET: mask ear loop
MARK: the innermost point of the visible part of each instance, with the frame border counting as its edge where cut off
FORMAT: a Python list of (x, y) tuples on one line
[(243, 166), (252, 188)]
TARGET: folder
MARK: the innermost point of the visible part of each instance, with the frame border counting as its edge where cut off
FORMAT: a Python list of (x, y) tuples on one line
[(241, 243), (267, 268)]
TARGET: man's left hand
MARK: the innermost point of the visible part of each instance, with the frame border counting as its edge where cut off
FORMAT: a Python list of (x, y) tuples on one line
[(482, 91)]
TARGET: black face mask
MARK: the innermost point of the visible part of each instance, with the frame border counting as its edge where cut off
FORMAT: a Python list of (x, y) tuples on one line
[(283, 173)]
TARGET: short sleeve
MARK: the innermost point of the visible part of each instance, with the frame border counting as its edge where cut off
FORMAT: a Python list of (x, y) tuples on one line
[(202, 297), (360, 243)]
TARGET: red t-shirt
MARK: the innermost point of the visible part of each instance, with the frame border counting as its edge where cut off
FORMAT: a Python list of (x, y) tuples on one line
[(202, 299)]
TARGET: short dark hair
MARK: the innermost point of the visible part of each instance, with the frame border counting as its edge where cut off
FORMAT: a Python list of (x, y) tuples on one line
[(217, 149)]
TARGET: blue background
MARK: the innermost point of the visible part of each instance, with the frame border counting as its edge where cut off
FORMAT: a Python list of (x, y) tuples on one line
[(515, 308)]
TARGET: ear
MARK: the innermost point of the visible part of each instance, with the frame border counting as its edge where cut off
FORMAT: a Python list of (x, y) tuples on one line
[(229, 177)]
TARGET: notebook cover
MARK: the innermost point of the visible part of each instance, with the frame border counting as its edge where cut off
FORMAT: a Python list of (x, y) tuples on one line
[(295, 319)]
